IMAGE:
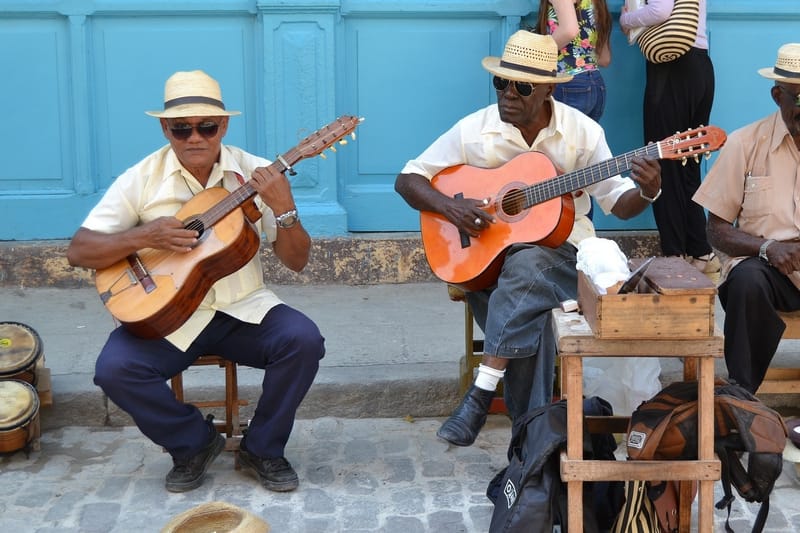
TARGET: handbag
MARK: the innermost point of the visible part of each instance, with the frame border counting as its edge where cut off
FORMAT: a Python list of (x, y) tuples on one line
[(675, 36), (638, 515)]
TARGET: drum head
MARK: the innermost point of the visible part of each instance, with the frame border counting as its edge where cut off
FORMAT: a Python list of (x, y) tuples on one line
[(18, 403), (20, 347)]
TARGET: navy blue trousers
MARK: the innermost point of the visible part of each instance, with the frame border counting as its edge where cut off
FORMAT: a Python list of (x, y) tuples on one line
[(133, 372)]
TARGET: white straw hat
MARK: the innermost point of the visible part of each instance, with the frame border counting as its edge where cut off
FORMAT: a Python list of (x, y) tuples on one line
[(192, 94), (527, 57), (787, 66)]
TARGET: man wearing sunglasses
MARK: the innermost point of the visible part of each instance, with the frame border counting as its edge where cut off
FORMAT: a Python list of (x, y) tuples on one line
[(514, 313), (239, 318), (751, 195)]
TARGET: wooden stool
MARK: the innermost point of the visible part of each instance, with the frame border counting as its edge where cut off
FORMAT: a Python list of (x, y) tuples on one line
[(473, 353), (784, 380), (231, 426)]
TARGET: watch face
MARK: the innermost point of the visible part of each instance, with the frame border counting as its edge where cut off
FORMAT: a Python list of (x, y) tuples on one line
[(287, 220)]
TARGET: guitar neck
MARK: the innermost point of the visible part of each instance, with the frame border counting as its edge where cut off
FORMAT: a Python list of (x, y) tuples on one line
[(239, 196), (572, 181)]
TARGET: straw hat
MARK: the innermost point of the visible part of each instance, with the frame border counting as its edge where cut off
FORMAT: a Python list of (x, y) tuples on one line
[(527, 57), (217, 517), (192, 94), (787, 66)]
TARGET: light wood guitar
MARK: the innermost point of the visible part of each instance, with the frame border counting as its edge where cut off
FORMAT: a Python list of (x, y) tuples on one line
[(530, 203), (153, 292)]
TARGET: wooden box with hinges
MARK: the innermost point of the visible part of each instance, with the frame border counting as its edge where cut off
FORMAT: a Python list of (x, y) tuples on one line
[(672, 300)]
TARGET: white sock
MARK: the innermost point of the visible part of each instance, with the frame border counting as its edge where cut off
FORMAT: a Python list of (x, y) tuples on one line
[(488, 377)]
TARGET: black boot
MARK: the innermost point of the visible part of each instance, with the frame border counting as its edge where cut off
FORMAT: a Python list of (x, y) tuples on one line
[(467, 420)]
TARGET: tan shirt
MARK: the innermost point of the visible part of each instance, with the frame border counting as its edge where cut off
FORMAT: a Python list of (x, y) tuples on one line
[(571, 141), (159, 186), (755, 184)]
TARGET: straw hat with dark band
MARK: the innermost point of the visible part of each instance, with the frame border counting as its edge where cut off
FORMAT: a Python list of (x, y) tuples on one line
[(787, 66), (192, 94), (527, 57)]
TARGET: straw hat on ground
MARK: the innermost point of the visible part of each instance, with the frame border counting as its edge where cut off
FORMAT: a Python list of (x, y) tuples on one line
[(787, 66), (527, 57), (219, 517), (192, 94)]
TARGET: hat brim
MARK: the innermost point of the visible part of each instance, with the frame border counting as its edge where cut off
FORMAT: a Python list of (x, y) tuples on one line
[(193, 110), (492, 64), (769, 73)]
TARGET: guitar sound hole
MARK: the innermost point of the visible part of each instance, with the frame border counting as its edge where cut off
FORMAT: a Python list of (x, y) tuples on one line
[(513, 202), (196, 225)]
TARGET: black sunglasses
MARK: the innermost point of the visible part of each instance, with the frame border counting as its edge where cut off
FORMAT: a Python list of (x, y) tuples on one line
[(206, 130), (795, 96), (523, 87)]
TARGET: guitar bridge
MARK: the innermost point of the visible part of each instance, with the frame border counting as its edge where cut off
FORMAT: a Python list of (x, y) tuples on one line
[(139, 274)]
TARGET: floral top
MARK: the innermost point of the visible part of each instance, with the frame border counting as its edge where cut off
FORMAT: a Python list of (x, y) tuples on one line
[(580, 54)]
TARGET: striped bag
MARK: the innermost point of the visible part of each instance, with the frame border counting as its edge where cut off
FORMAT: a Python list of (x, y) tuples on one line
[(673, 37), (638, 515)]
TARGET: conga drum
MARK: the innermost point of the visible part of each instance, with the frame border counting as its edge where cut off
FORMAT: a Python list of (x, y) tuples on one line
[(19, 414), (20, 350)]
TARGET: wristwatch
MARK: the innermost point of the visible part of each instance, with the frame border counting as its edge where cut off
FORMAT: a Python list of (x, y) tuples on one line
[(288, 219), (762, 252)]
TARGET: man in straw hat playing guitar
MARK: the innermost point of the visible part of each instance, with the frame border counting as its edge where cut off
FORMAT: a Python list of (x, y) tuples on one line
[(750, 193), (514, 312), (239, 319)]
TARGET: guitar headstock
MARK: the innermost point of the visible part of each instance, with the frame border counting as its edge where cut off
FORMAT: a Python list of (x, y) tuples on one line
[(693, 143), (327, 136)]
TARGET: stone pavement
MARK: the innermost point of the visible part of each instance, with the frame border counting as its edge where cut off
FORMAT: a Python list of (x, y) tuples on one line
[(364, 444), (356, 475)]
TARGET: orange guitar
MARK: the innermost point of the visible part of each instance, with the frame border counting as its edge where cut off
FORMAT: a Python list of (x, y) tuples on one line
[(153, 292), (529, 203)]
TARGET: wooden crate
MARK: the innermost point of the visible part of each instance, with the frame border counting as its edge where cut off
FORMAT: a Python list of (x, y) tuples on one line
[(674, 301)]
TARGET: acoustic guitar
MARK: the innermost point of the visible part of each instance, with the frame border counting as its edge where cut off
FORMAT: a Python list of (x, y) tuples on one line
[(530, 203), (153, 292)]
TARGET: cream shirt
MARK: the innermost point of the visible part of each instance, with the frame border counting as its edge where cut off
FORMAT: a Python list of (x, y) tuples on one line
[(159, 186), (572, 141), (755, 183)]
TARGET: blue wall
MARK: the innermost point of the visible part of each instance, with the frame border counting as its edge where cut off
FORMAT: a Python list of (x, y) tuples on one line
[(79, 75)]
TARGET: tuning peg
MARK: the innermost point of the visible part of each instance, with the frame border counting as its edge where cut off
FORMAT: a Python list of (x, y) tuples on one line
[(684, 161), (696, 158), (353, 135), (707, 155), (342, 141), (332, 149), (322, 155)]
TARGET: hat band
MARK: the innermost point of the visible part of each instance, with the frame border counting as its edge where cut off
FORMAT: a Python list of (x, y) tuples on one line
[(193, 100), (786, 73), (530, 70)]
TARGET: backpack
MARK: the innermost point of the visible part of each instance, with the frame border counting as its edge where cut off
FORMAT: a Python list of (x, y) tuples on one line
[(665, 427), (528, 494)]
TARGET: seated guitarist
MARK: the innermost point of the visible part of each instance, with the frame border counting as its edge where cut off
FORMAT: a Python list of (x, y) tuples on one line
[(514, 312), (239, 319)]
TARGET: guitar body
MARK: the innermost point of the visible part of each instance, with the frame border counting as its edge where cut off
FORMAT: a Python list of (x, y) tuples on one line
[(180, 281), (474, 263)]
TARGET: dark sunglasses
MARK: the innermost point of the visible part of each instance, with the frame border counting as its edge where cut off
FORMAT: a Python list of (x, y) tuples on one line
[(184, 131), (523, 87), (795, 96)]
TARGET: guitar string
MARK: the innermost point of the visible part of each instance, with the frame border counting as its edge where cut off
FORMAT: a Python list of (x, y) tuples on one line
[(563, 182)]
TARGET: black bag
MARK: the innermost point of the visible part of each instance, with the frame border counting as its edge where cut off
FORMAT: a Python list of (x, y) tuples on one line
[(665, 427), (528, 495)]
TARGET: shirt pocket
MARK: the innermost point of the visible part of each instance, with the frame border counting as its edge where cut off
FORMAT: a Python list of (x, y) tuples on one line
[(757, 200)]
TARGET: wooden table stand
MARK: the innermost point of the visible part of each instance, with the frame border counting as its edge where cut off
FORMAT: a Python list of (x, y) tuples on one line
[(575, 341)]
